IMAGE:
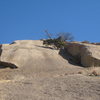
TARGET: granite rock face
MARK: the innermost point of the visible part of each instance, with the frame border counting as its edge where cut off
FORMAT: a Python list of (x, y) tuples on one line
[(87, 55), (32, 54), (44, 74)]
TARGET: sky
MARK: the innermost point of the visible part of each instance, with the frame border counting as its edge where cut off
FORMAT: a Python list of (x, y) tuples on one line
[(28, 19)]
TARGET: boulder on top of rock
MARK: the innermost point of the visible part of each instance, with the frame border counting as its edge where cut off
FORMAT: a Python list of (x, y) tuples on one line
[(87, 55)]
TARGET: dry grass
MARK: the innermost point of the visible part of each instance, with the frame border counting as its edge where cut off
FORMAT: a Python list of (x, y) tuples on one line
[(93, 71)]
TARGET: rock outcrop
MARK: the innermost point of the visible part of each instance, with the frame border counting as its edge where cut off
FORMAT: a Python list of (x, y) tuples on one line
[(87, 55), (27, 52), (31, 54), (44, 74)]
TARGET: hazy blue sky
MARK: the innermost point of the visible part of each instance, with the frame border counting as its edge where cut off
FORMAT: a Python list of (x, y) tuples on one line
[(27, 19)]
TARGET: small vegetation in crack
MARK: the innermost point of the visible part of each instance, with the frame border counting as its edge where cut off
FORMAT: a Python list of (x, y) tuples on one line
[(58, 42)]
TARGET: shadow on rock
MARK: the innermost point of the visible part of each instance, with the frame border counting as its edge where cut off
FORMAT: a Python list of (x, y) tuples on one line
[(0, 49), (69, 57), (7, 65)]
